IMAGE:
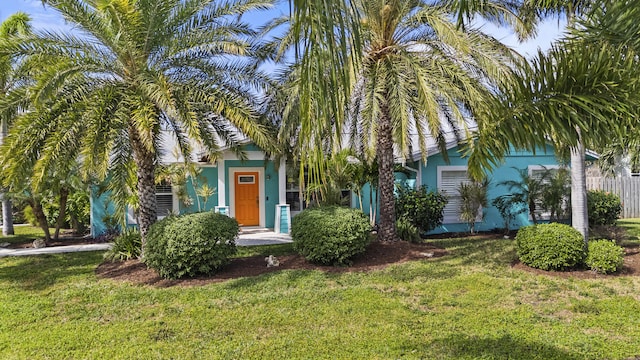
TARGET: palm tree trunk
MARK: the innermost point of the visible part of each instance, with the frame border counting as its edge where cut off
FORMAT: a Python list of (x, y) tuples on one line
[(579, 215), (64, 195), (387, 229), (41, 218), (145, 162), (7, 209)]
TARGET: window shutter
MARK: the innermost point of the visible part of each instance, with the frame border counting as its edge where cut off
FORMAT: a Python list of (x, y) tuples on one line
[(450, 180), (164, 199)]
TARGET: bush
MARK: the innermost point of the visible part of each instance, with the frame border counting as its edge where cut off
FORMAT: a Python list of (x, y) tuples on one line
[(604, 208), (190, 245), (550, 246), (604, 256), (330, 235), (423, 208), (29, 216), (126, 246), (407, 231)]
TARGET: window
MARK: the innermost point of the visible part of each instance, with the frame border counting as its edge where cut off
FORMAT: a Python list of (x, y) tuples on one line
[(294, 197), (449, 179), (246, 179), (538, 172), (164, 199)]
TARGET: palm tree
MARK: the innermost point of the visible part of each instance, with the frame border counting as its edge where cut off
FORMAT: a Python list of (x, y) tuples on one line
[(104, 94), (16, 24), (384, 70)]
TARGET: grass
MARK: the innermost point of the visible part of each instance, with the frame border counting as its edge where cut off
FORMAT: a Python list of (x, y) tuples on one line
[(23, 234), (467, 305)]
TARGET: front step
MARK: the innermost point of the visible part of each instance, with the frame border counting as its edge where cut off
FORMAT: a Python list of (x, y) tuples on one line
[(253, 230)]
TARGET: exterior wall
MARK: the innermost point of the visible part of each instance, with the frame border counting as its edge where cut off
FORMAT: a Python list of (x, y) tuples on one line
[(492, 218), (209, 174), (101, 207)]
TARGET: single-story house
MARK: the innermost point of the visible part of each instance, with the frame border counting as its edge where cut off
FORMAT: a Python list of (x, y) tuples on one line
[(258, 192)]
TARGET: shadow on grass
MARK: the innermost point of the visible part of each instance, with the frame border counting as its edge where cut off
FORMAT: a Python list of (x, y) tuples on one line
[(42, 271), (505, 347), (493, 252)]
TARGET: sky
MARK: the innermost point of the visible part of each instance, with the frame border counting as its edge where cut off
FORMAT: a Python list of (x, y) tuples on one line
[(45, 18)]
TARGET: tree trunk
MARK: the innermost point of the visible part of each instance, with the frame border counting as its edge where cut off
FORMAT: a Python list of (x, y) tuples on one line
[(579, 214), (145, 162), (41, 218), (64, 195), (7, 209), (7, 216), (387, 229)]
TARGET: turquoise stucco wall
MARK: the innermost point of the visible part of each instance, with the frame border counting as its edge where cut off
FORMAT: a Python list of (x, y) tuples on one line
[(270, 199), (210, 175), (101, 207), (492, 218)]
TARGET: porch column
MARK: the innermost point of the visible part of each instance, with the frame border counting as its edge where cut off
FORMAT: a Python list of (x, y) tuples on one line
[(283, 213), (222, 207)]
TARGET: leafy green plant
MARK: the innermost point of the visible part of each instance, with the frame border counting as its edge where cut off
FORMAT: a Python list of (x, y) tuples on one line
[(550, 246), (604, 256), (509, 206), (126, 246), (407, 231), (556, 193), (29, 216), (422, 207), (474, 199), (330, 235), (191, 244), (604, 208)]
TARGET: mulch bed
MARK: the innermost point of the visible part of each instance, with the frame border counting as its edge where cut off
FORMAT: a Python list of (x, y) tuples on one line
[(378, 256), (631, 267)]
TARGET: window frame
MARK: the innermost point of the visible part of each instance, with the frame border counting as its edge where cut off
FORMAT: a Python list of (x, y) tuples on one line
[(449, 219)]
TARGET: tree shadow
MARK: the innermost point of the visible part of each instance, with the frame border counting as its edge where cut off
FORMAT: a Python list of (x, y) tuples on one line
[(34, 273), (505, 347)]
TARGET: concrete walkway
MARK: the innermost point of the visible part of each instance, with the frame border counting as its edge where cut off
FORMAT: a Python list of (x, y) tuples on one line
[(245, 239)]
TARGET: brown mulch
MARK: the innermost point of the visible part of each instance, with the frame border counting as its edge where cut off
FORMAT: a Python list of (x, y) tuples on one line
[(378, 256), (631, 267)]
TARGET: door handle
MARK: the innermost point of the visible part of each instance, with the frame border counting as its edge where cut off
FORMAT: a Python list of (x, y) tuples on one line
[(257, 200)]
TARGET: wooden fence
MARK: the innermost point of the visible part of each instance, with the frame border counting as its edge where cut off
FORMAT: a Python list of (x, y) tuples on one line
[(627, 188)]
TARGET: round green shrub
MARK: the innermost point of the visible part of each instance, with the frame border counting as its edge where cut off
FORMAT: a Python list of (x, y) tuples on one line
[(604, 256), (425, 209), (330, 235), (550, 246), (604, 208), (126, 246), (190, 245)]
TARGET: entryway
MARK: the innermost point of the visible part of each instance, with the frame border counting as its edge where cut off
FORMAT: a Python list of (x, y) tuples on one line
[(247, 198)]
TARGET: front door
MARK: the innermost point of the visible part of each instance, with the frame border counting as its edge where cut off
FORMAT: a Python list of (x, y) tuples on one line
[(247, 198)]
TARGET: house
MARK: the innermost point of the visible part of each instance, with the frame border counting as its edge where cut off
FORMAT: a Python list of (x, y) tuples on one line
[(258, 192)]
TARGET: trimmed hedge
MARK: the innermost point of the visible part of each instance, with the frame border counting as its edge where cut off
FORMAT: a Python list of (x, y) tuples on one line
[(330, 235), (550, 246), (190, 245), (604, 208), (424, 208), (604, 256)]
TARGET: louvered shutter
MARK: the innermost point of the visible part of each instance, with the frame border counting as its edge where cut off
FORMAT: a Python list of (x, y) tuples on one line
[(450, 180), (164, 199)]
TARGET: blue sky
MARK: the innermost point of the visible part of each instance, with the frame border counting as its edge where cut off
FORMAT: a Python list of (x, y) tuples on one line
[(44, 18)]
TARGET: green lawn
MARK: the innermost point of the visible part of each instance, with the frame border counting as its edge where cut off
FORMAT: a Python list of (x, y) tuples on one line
[(23, 234), (470, 304)]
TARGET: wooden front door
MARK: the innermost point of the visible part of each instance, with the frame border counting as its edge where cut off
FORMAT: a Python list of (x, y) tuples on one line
[(247, 198)]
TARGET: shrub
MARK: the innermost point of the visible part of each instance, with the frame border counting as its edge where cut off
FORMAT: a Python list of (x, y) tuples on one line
[(126, 246), (330, 235), (550, 246), (473, 198), (604, 208), (29, 216), (407, 231), (423, 208), (189, 245), (604, 256)]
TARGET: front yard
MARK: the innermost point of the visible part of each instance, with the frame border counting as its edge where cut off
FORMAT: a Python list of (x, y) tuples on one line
[(468, 304)]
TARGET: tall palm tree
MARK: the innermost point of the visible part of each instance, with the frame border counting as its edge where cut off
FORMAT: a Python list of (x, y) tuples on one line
[(104, 94), (16, 24), (384, 70)]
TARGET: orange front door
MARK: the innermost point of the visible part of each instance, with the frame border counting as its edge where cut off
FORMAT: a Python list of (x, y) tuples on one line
[(247, 198)]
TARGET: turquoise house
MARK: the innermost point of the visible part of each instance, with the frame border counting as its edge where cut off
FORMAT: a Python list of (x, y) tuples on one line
[(254, 190), (257, 192)]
